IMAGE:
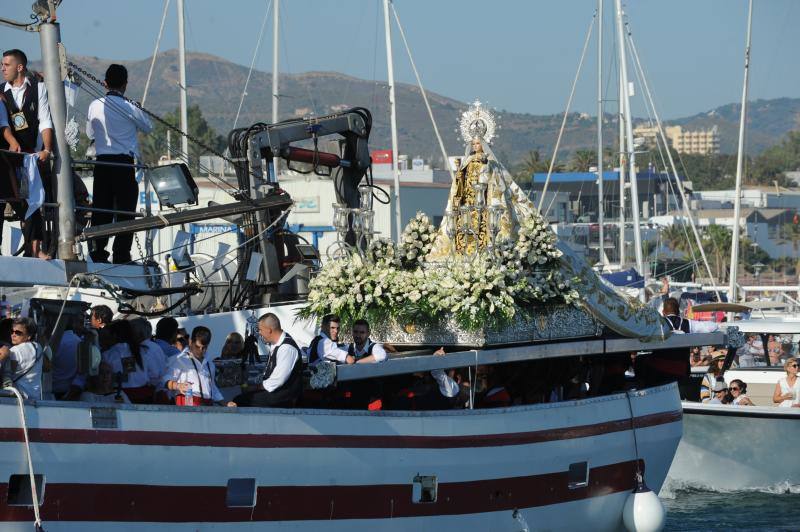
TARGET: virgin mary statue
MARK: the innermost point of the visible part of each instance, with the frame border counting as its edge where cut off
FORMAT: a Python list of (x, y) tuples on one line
[(485, 204)]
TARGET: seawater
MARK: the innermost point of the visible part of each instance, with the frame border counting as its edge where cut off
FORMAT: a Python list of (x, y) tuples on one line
[(701, 508)]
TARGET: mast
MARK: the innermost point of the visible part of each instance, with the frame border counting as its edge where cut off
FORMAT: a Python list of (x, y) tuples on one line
[(393, 118), (737, 202), (275, 110), (601, 231), (622, 161), (49, 38), (182, 66), (631, 151)]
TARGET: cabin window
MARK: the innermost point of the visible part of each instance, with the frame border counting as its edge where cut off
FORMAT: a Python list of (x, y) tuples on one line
[(241, 493), (578, 475), (19, 490), (424, 489)]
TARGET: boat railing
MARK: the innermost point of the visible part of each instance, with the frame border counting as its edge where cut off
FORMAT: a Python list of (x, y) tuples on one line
[(407, 363)]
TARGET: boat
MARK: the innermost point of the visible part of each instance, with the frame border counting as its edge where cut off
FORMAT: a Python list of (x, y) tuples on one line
[(567, 457)]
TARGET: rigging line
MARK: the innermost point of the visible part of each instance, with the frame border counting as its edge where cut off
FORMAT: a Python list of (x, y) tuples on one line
[(350, 54), (659, 143), (111, 104), (375, 55), (424, 95), (678, 181), (253, 62), (279, 218), (285, 50), (566, 115), (155, 52)]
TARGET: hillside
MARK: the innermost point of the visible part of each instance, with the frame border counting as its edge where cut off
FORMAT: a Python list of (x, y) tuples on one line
[(215, 84)]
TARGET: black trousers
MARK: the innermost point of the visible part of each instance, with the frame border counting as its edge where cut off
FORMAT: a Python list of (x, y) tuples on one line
[(263, 398), (115, 187)]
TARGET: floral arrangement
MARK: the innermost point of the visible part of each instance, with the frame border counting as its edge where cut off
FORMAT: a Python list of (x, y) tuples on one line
[(487, 289)]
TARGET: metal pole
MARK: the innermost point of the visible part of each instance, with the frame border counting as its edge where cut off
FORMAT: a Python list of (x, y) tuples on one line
[(182, 66), (622, 161), (275, 49), (393, 119), (50, 37), (600, 196), (631, 149), (737, 203)]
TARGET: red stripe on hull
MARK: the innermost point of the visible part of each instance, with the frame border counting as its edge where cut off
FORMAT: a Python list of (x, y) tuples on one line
[(176, 504), (301, 441)]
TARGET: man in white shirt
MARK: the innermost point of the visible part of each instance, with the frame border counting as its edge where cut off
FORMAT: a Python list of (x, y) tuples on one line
[(24, 359), (324, 346), (113, 124), (671, 312), (363, 349), (32, 127), (282, 384), (191, 375)]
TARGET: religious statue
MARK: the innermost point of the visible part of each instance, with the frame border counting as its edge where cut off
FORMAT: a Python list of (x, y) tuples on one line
[(484, 202)]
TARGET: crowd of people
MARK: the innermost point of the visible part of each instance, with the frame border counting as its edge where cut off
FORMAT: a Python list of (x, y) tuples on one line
[(26, 128), (126, 361)]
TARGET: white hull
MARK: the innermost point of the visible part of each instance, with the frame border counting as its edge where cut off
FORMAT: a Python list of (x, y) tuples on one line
[(168, 467), (728, 447)]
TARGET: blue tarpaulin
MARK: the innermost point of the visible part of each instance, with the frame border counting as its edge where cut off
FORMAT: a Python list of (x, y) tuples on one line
[(626, 278)]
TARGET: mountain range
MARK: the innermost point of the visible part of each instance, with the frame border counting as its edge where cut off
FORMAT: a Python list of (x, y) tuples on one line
[(216, 84)]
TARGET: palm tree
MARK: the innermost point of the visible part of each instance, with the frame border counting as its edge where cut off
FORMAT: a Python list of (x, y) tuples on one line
[(582, 160)]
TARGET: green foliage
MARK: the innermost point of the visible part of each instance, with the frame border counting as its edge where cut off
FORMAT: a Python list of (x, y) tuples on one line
[(775, 160), (582, 160), (154, 144)]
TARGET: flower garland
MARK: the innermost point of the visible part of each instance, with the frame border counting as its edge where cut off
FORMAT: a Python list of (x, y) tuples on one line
[(487, 289)]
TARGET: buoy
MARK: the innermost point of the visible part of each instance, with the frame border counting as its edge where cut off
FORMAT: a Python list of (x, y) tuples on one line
[(643, 511)]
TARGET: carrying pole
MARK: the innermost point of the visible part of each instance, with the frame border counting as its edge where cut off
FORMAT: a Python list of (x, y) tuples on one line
[(49, 38)]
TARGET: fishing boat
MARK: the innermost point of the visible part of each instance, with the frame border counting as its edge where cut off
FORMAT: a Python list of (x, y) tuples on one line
[(576, 448)]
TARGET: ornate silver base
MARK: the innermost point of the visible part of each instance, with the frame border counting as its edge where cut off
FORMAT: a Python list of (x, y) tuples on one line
[(554, 322)]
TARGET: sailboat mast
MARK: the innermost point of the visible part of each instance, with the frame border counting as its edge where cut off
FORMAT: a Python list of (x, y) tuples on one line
[(393, 118), (275, 50), (631, 151), (737, 202), (600, 196), (275, 21), (182, 67), (622, 160)]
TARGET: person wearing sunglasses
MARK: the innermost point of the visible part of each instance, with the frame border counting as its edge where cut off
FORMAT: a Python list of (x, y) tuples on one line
[(738, 390), (24, 359), (787, 389)]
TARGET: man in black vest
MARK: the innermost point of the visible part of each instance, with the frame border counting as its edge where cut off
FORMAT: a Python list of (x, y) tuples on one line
[(364, 350), (32, 127), (282, 383), (325, 347), (113, 124)]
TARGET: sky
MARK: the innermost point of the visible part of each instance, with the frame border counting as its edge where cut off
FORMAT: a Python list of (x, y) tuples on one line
[(516, 55)]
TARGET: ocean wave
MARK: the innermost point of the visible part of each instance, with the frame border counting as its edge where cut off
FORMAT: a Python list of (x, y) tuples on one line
[(672, 487)]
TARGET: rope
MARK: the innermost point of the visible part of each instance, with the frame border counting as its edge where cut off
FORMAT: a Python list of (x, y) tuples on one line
[(252, 62), (678, 181), (34, 493), (566, 114), (155, 52), (424, 95), (189, 268)]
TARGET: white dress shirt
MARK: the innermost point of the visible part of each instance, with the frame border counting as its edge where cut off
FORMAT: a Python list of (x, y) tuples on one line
[(45, 122), (116, 354), (156, 362), (201, 374), (113, 124), (447, 386), (327, 349), (286, 357), (24, 356), (378, 352)]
